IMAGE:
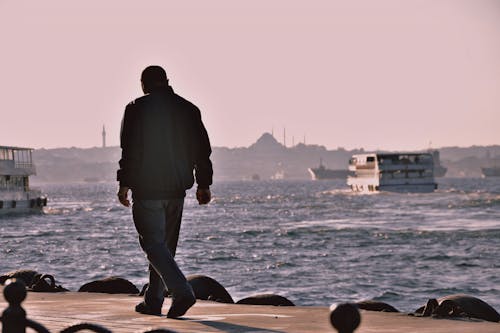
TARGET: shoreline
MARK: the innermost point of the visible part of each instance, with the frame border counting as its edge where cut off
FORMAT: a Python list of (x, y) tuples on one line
[(116, 312)]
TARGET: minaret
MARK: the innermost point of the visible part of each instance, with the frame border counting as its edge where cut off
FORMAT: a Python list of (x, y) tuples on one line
[(103, 137)]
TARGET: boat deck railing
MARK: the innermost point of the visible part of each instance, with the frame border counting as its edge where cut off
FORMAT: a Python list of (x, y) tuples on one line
[(21, 158), (16, 168), (23, 165)]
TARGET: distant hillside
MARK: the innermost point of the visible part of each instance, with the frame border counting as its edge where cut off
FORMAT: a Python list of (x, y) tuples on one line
[(76, 164), (265, 159), (467, 162)]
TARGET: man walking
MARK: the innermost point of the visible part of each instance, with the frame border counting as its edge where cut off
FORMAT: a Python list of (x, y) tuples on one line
[(163, 140)]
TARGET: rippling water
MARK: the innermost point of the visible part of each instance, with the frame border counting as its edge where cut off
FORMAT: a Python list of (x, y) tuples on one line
[(313, 242)]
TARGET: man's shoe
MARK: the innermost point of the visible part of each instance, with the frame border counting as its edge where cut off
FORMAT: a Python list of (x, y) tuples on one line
[(180, 305), (146, 309)]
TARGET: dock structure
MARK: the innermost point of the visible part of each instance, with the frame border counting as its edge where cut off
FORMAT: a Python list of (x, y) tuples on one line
[(57, 311)]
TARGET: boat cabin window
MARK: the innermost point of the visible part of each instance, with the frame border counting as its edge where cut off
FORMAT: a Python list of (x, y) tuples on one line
[(370, 159), (6, 154), (425, 159), (405, 159), (22, 158), (13, 182)]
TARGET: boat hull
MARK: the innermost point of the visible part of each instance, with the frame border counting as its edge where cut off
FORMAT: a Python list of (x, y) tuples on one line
[(32, 206), (369, 187), (407, 188)]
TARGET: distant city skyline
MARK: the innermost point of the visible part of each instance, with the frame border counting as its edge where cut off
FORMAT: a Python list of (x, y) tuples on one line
[(388, 74)]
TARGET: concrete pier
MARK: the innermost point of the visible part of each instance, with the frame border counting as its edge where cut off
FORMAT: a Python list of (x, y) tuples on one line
[(116, 312)]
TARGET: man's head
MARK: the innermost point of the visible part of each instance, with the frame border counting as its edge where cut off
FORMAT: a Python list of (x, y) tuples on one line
[(153, 77)]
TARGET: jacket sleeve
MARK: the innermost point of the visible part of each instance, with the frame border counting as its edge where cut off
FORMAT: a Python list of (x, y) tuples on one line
[(203, 165), (130, 142)]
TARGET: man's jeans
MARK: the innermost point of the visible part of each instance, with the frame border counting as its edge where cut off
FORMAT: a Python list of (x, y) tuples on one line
[(158, 223)]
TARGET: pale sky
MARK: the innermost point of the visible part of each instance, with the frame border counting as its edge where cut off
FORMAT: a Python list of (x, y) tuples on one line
[(388, 74)]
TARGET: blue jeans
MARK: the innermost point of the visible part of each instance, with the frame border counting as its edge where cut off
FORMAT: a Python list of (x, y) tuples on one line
[(158, 223)]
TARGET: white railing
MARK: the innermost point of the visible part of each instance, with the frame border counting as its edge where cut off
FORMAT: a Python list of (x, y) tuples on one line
[(23, 165)]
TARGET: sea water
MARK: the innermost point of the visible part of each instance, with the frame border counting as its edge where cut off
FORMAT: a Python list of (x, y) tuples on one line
[(314, 242)]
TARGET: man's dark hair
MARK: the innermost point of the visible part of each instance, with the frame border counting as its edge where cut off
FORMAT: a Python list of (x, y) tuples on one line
[(153, 77)]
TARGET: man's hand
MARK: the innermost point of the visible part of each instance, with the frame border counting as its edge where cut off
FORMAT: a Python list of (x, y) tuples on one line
[(123, 196), (203, 196)]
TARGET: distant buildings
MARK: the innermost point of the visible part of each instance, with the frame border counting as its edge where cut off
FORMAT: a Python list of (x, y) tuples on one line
[(265, 159)]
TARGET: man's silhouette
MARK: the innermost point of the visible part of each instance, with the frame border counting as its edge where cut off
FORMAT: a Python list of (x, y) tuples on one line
[(163, 140)]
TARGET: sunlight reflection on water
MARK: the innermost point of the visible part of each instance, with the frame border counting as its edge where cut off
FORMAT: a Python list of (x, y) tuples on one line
[(313, 242)]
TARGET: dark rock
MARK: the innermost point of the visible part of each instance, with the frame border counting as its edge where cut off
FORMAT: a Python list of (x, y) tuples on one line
[(26, 275), (266, 299), (371, 305), (206, 288), (459, 306), (110, 285)]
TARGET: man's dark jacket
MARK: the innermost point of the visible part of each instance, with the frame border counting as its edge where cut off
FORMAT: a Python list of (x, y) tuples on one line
[(163, 140)]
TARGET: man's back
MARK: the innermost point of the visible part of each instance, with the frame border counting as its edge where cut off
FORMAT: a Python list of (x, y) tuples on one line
[(164, 138)]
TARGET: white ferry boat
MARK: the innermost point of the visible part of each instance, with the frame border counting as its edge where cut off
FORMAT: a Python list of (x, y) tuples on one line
[(394, 172), (16, 166)]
